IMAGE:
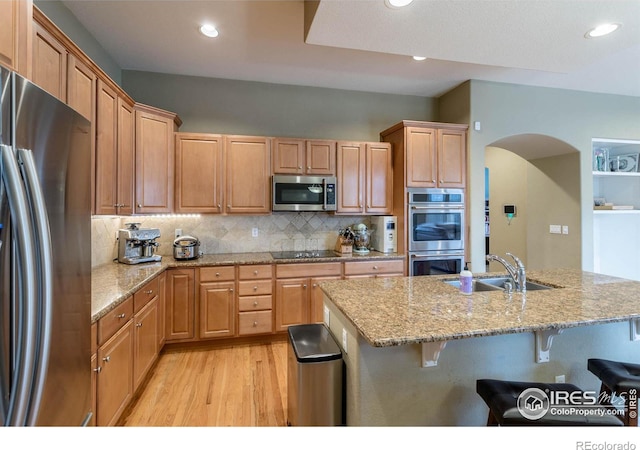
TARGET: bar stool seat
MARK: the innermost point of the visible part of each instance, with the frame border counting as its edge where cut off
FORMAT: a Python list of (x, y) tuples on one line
[(502, 399), (619, 378)]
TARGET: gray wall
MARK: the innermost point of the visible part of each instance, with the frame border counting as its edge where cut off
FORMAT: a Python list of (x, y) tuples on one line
[(211, 105), (570, 116), (67, 22)]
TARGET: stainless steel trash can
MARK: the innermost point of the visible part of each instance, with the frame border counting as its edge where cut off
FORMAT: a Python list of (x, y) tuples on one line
[(314, 377)]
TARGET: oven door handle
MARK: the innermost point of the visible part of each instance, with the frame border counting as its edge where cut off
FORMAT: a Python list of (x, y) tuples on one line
[(460, 207), (440, 255)]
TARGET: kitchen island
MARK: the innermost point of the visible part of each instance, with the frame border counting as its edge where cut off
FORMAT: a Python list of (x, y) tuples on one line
[(414, 347)]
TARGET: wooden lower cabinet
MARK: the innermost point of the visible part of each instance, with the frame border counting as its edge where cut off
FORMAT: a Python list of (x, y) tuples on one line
[(255, 299), (145, 341), (298, 298), (373, 269), (217, 309), (180, 304), (115, 375)]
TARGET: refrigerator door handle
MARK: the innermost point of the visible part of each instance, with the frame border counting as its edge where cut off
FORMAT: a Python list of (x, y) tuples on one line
[(22, 375), (44, 277)]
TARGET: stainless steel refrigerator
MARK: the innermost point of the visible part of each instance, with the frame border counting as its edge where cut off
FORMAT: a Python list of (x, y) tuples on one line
[(45, 258)]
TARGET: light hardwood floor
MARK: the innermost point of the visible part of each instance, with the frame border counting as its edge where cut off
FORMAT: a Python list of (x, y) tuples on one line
[(243, 385)]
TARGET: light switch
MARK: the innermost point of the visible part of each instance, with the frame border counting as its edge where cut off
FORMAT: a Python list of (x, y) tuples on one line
[(565, 229), (555, 229)]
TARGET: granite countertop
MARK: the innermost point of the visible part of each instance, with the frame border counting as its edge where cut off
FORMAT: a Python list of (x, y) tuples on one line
[(111, 284), (398, 311)]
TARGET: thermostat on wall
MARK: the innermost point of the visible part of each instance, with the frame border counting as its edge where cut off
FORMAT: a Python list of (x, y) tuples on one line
[(509, 210)]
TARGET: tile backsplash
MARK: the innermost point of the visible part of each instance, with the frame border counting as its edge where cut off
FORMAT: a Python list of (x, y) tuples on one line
[(227, 234)]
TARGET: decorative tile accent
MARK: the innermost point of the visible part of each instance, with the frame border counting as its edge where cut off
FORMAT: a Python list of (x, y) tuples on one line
[(280, 231)]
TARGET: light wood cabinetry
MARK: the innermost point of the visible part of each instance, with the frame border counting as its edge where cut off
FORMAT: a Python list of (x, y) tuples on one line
[(199, 168), (304, 157), (114, 363), (16, 35), (294, 291), (162, 320), (180, 304), (255, 299), (364, 173), (115, 139), (145, 339), (94, 374), (154, 163), (217, 302), (247, 174), (373, 269), (49, 70)]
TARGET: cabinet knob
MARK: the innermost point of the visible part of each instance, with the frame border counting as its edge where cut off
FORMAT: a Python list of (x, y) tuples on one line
[(98, 369), (107, 358), (300, 167), (433, 181), (217, 274), (255, 303), (149, 292), (121, 316), (255, 324), (304, 286), (230, 289), (255, 288), (375, 267), (315, 285), (441, 181), (255, 272), (139, 324), (139, 205), (219, 206), (308, 167)]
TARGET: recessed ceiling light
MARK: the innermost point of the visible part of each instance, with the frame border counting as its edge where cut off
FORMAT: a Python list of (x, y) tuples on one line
[(209, 30), (602, 30), (397, 3), (419, 58)]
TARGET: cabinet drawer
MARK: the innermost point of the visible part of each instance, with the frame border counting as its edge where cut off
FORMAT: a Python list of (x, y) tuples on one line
[(218, 273), (109, 324), (255, 303), (307, 270), (256, 271), (373, 267), (257, 287), (145, 294), (255, 322)]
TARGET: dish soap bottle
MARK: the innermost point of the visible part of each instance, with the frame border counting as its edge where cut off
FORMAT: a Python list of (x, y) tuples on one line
[(466, 280)]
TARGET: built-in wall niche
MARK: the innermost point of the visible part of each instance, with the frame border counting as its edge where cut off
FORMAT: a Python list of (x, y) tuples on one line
[(616, 174)]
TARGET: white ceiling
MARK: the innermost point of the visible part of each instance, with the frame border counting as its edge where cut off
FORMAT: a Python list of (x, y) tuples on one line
[(364, 45)]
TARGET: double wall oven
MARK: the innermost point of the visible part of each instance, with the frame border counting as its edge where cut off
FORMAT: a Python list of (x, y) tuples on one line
[(436, 231)]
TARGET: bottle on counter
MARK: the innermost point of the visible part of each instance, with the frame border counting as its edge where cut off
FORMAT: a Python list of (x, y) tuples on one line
[(466, 280)]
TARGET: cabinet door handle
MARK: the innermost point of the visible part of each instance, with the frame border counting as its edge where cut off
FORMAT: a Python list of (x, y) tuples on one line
[(121, 316), (107, 358)]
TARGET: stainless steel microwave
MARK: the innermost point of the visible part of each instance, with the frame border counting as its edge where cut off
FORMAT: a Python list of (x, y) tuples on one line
[(304, 193)]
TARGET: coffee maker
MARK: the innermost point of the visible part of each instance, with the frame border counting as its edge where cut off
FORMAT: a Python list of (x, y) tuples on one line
[(137, 245)]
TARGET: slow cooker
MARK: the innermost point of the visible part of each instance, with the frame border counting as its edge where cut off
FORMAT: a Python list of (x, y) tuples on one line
[(186, 247)]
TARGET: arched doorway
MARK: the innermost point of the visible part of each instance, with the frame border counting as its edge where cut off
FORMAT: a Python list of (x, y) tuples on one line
[(539, 177)]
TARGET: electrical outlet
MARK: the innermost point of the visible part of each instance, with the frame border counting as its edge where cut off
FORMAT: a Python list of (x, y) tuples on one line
[(560, 378), (565, 229), (254, 232), (178, 232), (555, 229), (344, 340)]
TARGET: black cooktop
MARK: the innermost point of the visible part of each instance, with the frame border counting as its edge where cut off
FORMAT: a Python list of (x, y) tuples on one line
[(304, 254)]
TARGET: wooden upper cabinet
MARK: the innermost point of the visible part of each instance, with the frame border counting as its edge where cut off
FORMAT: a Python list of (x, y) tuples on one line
[(106, 150), (350, 175), (154, 159), (378, 178), (198, 167), (49, 69), (126, 157), (364, 178), (247, 174), (304, 157), (15, 35), (452, 145), (436, 157)]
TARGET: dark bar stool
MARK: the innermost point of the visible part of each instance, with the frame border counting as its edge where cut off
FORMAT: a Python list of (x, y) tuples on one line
[(622, 379), (502, 399)]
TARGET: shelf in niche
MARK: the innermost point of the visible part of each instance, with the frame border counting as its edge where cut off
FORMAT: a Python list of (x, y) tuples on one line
[(615, 174), (616, 211)]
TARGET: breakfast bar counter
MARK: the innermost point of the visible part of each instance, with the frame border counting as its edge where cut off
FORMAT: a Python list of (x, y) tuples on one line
[(414, 346)]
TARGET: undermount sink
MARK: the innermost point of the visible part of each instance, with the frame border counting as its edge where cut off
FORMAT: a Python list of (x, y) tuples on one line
[(475, 286), (500, 281), (496, 284)]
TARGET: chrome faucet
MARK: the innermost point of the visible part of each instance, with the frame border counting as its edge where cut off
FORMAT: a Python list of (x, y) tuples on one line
[(517, 273)]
